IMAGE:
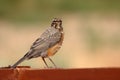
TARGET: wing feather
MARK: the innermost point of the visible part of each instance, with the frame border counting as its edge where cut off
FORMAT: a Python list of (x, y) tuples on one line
[(49, 38)]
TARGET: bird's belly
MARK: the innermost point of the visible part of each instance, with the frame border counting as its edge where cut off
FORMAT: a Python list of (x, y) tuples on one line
[(53, 50)]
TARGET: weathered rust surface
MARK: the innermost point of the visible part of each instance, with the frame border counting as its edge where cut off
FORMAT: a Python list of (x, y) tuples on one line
[(26, 73)]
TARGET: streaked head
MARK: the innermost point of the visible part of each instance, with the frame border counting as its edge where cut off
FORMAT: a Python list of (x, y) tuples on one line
[(57, 23)]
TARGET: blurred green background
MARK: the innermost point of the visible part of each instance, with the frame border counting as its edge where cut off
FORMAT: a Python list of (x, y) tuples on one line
[(92, 31)]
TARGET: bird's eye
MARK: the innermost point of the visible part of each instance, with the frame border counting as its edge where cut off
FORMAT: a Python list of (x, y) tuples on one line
[(55, 21)]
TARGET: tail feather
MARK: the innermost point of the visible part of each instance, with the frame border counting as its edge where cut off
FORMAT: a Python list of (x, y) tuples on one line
[(25, 57), (18, 62)]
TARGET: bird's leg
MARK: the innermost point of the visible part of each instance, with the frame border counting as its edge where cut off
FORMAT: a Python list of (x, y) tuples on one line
[(45, 62), (52, 62)]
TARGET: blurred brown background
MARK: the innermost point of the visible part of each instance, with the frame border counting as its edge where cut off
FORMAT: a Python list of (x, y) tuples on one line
[(92, 31)]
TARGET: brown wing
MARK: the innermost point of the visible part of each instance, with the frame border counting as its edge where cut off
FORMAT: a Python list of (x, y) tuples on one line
[(50, 36), (48, 39)]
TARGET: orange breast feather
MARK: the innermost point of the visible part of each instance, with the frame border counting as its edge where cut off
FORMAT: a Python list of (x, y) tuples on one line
[(55, 48)]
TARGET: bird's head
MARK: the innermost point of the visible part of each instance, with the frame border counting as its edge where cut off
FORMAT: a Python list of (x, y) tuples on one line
[(57, 23)]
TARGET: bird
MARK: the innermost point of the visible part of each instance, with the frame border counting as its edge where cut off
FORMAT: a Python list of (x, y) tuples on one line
[(46, 45)]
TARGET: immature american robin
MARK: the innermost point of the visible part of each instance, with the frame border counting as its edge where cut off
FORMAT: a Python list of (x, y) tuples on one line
[(47, 44)]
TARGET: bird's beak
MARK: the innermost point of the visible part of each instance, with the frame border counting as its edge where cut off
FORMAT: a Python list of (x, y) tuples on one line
[(58, 27)]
